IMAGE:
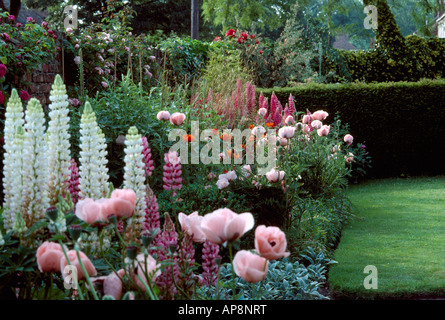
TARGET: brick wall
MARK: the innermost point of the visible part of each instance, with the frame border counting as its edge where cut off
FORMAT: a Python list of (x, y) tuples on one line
[(42, 78)]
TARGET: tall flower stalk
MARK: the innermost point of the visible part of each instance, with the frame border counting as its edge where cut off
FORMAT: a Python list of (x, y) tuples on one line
[(13, 119), (15, 165), (93, 173), (35, 167), (58, 142), (134, 179)]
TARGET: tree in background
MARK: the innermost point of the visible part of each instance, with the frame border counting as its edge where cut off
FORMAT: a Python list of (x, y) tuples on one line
[(246, 13), (14, 7)]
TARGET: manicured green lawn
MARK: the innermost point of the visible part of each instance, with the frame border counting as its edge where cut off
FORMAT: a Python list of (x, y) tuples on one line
[(400, 229)]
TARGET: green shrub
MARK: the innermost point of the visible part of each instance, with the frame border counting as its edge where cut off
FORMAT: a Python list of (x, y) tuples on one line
[(400, 123)]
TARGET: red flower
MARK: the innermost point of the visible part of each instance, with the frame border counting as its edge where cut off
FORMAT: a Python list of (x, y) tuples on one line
[(3, 70), (2, 98), (230, 33), (24, 95), (261, 51), (217, 39)]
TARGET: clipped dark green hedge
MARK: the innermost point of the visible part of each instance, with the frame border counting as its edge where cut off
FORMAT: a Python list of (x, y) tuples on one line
[(401, 123)]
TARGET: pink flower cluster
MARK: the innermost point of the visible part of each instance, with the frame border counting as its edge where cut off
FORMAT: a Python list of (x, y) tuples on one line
[(149, 167), (172, 171), (73, 182)]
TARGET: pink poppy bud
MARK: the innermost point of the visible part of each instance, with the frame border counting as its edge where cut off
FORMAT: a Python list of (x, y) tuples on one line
[(72, 256), (191, 224), (163, 115), (177, 118), (48, 257), (320, 115), (323, 131), (250, 267), (225, 225), (270, 242)]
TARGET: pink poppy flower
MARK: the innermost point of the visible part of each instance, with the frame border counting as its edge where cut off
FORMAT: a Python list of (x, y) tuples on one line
[(72, 256), (316, 124), (323, 131), (111, 285), (286, 132), (177, 118), (225, 225), (250, 267), (348, 138), (90, 211), (191, 224), (320, 115), (163, 115), (270, 242), (48, 257), (149, 266), (275, 176)]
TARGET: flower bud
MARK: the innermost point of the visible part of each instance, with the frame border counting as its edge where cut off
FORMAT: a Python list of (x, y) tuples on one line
[(75, 232), (52, 213), (132, 252), (147, 238)]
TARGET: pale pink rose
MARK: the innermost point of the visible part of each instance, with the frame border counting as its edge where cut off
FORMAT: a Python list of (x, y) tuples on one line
[(286, 132), (250, 267), (270, 242), (191, 224), (163, 115), (177, 118), (289, 120), (225, 225), (348, 138), (320, 115), (316, 124), (72, 256), (148, 266), (48, 256), (110, 285), (90, 211), (275, 176), (262, 111), (323, 131)]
